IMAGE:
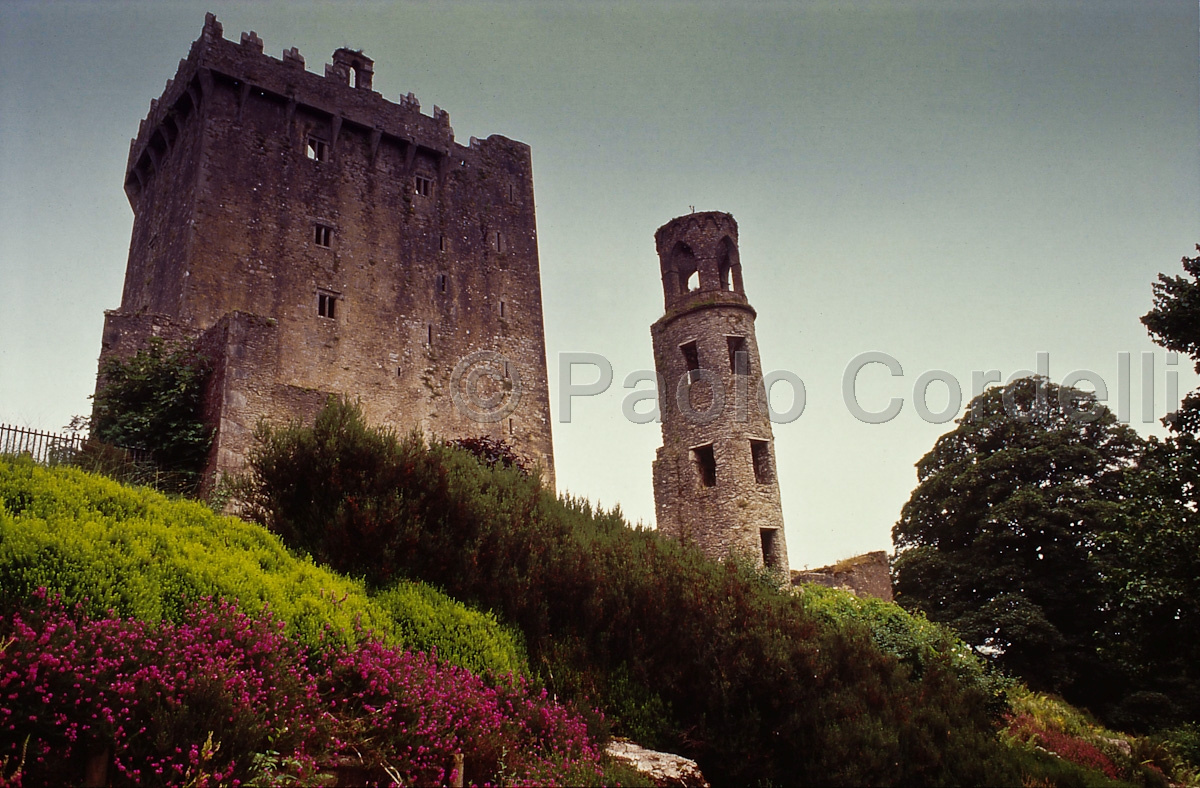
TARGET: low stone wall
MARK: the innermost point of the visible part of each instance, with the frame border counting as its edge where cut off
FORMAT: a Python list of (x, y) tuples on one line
[(868, 574)]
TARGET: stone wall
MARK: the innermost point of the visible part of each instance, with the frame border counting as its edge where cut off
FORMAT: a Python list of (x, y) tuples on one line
[(391, 261), (867, 575)]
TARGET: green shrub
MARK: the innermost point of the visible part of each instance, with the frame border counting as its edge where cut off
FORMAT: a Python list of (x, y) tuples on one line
[(910, 637), (426, 620), (154, 401), (754, 685), (145, 556)]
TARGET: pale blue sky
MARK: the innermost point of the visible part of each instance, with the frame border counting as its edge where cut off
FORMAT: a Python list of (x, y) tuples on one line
[(961, 185)]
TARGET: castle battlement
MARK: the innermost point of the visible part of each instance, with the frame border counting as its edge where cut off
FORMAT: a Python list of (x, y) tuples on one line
[(285, 81)]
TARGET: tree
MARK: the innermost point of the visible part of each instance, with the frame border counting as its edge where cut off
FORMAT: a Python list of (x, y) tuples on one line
[(1001, 538), (1174, 323), (1152, 581), (154, 401)]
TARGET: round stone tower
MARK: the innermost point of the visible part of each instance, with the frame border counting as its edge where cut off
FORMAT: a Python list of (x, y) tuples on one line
[(714, 476)]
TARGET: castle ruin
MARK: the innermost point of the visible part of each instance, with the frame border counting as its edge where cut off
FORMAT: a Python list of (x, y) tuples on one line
[(312, 238), (714, 476)]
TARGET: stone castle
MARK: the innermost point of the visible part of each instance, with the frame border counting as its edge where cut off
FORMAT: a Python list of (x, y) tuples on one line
[(312, 238)]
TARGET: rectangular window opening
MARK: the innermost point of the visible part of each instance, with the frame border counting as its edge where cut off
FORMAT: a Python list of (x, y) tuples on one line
[(423, 186), (317, 150), (323, 235), (739, 355), (760, 451), (327, 305), (706, 464), (770, 546), (691, 355)]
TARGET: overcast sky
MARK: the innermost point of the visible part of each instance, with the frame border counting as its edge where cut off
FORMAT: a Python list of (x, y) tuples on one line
[(960, 185)]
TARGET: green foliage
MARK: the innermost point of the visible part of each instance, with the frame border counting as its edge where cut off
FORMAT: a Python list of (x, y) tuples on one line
[(1105, 756), (1152, 575), (1174, 323), (144, 556), (154, 401), (1000, 539), (426, 620), (911, 638), (753, 684)]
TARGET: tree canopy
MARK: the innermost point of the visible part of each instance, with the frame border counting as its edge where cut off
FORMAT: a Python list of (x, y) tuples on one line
[(1174, 323), (1001, 539)]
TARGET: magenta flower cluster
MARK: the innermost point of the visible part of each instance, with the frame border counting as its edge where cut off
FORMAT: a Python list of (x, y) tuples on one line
[(222, 697), (417, 712)]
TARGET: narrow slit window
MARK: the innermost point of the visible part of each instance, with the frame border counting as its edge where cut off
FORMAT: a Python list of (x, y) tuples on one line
[(500, 246), (501, 309), (511, 427), (441, 283), (423, 186), (323, 235), (760, 453), (706, 465), (770, 546), (429, 335), (317, 150), (327, 305), (739, 356), (442, 243)]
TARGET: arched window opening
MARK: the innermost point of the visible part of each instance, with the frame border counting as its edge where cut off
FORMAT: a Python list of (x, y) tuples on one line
[(726, 260), (353, 77), (693, 282)]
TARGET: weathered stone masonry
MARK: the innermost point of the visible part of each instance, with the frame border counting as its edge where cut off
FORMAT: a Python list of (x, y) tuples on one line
[(714, 476), (313, 238)]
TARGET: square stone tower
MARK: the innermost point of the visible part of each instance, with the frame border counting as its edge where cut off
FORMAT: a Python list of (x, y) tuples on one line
[(314, 238), (714, 477)]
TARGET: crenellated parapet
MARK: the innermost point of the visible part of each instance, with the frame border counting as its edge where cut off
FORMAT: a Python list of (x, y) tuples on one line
[(216, 61)]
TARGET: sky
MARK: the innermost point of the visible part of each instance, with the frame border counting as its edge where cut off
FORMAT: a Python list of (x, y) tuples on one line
[(961, 186)]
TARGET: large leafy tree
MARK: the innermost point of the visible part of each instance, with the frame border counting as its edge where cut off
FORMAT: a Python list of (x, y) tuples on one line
[(1001, 539)]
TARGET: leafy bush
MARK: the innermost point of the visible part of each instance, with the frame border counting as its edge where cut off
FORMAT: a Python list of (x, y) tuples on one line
[(753, 684), (426, 620), (1040, 720), (910, 637), (143, 556), (154, 401)]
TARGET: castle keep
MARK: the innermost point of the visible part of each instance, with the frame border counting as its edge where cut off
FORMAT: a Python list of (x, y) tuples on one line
[(312, 238), (714, 476)]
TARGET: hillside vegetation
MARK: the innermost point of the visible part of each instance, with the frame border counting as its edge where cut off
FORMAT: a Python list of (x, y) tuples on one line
[(709, 659), (144, 556)]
